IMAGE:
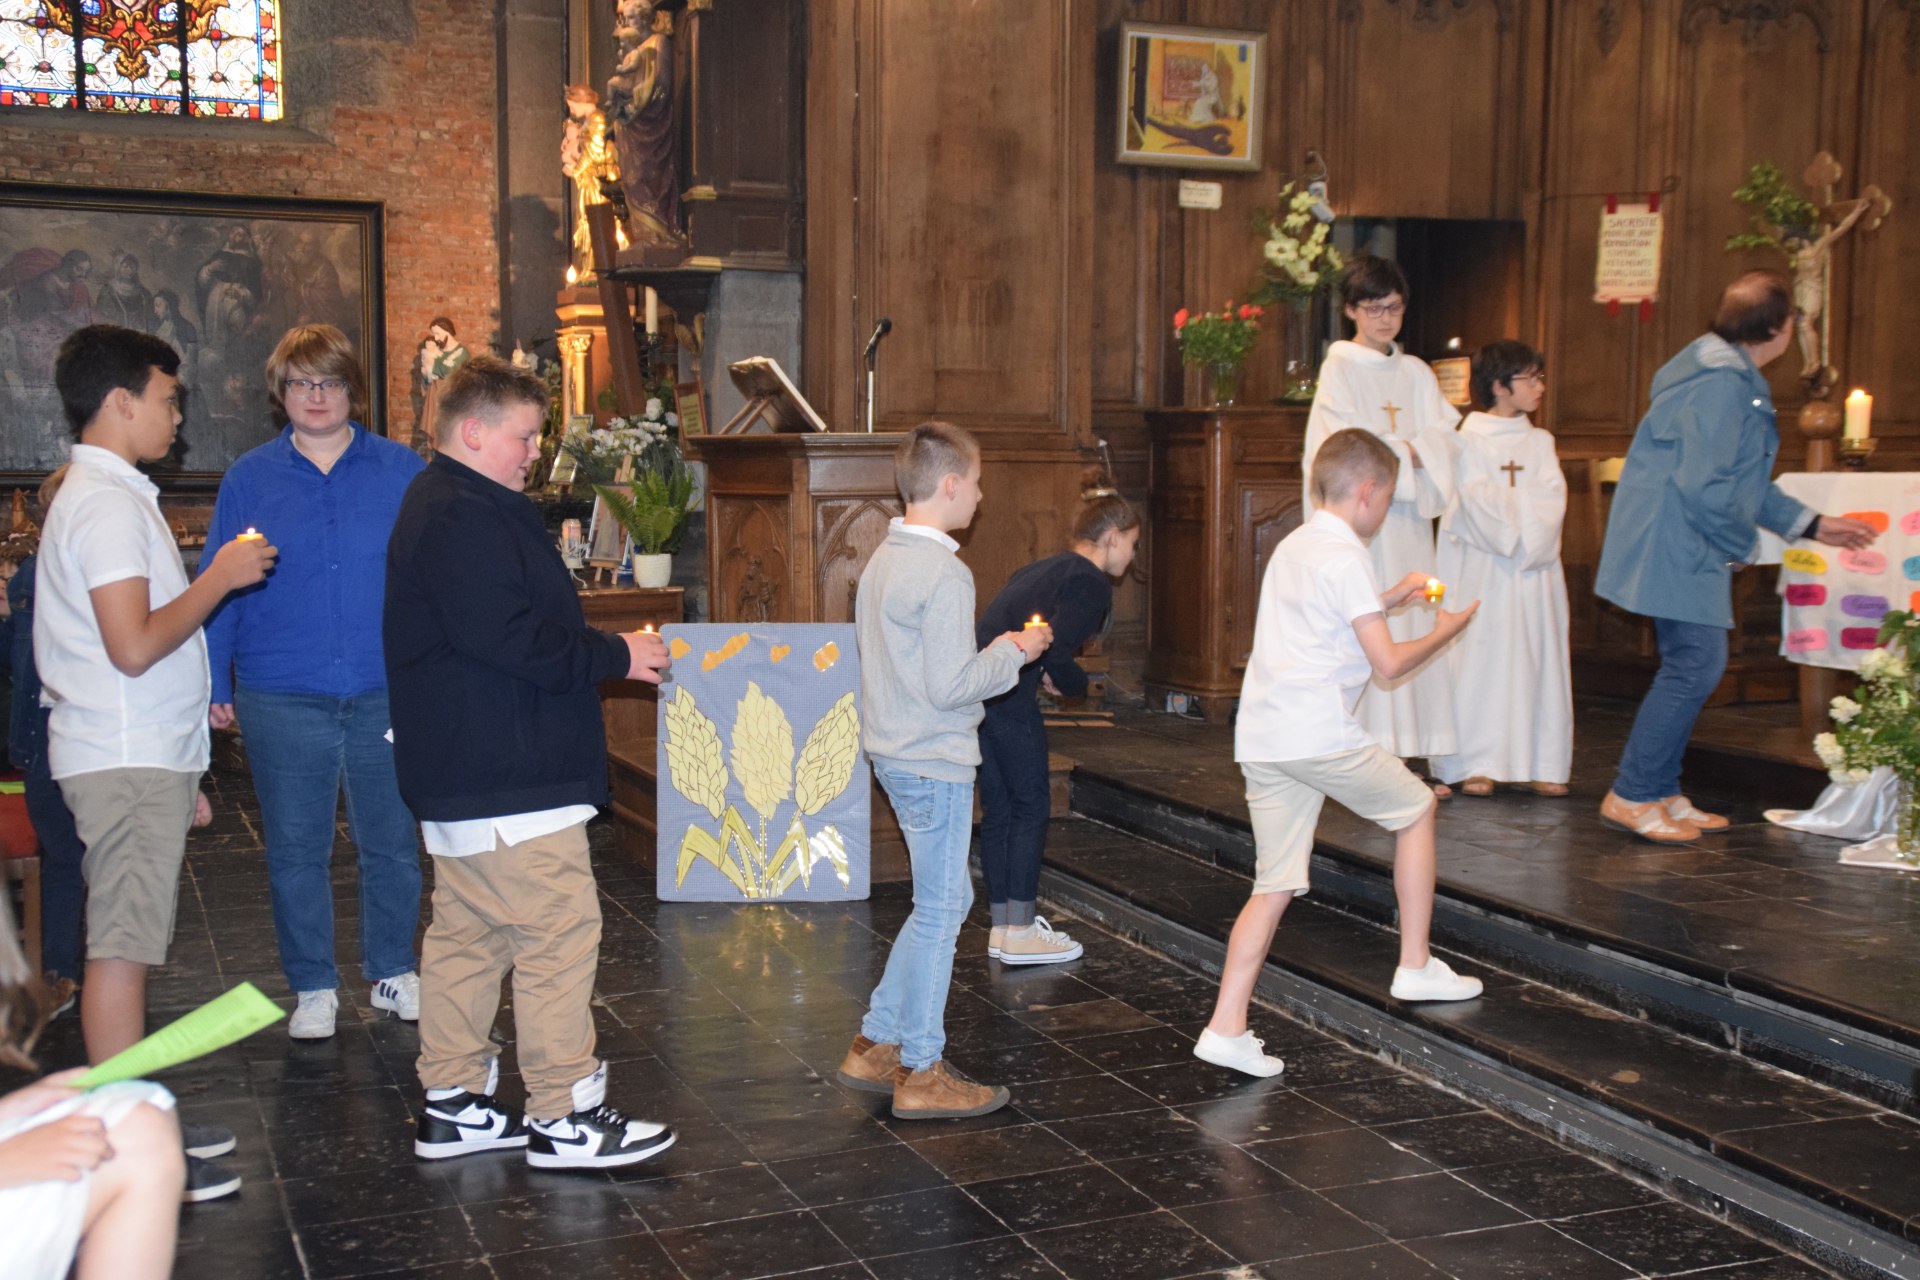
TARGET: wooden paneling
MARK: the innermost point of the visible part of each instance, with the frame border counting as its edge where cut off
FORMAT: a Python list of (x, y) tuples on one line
[(1875, 274), (745, 187)]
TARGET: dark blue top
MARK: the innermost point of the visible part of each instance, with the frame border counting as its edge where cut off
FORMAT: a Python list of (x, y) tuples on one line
[(27, 726), (314, 625), (1073, 596), (492, 670)]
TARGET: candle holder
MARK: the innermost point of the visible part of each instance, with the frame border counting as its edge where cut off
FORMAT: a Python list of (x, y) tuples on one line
[(1855, 451)]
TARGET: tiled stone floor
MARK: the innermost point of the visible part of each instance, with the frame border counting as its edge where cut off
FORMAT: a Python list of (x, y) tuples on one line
[(1121, 1158)]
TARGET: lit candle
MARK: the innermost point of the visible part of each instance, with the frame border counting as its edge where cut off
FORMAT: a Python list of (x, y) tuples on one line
[(1859, 415), (1035, 621), (648, 630), (653, 313), (251, 535), (573, 275), (1435, 590)]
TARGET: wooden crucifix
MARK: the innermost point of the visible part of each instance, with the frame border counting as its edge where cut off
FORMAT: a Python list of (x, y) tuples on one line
[(1392, 411), (1512, 469)]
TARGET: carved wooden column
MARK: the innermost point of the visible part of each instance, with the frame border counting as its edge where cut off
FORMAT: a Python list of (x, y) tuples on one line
[(1226, 490)]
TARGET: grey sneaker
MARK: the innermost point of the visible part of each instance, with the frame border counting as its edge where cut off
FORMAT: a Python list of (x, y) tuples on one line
[(208, 1181), (205, 1141), (313, 1016)]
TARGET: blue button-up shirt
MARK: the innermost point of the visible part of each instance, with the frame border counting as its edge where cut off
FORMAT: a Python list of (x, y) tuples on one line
[(314, 625)]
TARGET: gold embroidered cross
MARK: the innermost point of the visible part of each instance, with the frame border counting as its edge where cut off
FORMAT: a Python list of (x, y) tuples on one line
[(1392, 411), (1511, 468)]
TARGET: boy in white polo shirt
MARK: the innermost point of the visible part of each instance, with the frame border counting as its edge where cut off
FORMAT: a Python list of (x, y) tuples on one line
[(1320, 635), (123, 667)]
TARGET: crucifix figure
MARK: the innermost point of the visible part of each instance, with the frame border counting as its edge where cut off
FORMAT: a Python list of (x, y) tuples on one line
[(1392, 411), (1512, 469)]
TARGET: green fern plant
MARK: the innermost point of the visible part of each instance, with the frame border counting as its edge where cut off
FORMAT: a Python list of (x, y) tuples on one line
[(655, 509), (1782, 218)]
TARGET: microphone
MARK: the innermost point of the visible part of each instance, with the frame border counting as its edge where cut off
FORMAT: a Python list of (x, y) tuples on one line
[(880, 331)]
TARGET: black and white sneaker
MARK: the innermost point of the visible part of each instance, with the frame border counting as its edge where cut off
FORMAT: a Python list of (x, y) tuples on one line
[(207, 1180), (593, 1135), (458, 1123), (205, 1141)]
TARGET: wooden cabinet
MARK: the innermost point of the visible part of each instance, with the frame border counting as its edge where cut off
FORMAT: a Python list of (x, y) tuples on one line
[(629, 708), (1226, 490)]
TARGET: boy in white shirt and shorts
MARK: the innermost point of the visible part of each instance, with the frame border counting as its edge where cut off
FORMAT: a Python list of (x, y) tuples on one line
[(1320, 635)]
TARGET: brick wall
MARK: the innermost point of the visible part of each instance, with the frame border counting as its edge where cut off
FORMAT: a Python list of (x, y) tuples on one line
[(388, 100)]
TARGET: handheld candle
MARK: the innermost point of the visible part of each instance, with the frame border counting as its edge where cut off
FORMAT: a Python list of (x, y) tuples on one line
[(1435, 590)]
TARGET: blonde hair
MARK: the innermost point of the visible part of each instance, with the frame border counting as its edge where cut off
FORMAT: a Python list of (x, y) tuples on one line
[(1348, 460), (931, 451), (322, 350), (486, 387)]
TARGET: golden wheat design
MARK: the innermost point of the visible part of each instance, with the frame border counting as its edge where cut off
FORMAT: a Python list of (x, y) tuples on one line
[(762, 751), (694, 760), (826, 762)]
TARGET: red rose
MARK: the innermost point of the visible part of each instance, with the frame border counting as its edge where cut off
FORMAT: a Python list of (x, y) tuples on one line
[(1179, 319), (1246, 312)]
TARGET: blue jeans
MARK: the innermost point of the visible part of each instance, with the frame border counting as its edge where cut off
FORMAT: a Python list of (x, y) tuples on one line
[(302, 747), (909, 1006), (1015, 806), (1692, 660), (63, 892)]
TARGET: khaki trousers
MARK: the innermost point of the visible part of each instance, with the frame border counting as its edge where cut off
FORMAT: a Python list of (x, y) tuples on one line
[(530, 907)]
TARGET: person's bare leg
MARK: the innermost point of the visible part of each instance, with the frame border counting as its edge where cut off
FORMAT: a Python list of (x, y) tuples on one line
[(1413, 880), (1247, 948), (133, 1201), (113, 1007)]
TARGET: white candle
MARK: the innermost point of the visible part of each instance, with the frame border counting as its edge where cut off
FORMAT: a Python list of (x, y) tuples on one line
[(1859, 415), (653, 312)]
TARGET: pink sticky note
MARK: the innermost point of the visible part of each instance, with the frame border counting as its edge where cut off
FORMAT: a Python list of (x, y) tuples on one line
[(1910, 523), (1863, 561), (1859, 637), (1808, 641), (1806, 593)]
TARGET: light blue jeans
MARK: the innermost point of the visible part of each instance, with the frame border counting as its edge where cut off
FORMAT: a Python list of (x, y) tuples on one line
[(909, 1006)]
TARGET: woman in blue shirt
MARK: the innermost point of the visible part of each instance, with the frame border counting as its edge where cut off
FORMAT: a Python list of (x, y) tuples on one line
[(296, 662)]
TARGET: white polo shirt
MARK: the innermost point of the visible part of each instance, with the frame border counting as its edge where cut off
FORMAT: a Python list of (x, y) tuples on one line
[(1307, 669), (104, 527)]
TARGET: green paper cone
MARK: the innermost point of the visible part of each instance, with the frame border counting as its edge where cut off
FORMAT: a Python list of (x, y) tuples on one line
[(214, 1025)]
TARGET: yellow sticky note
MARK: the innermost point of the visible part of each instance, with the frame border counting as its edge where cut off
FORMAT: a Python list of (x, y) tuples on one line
[(679, 648), (780, 651), (826, 655), (1800, 560)]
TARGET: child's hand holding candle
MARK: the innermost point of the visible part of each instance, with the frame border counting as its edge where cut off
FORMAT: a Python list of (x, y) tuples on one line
[(1035, 621), (1435, 590)]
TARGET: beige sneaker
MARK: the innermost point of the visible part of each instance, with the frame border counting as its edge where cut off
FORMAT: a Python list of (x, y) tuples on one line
[(939, 1092), (1649, 821), (869, 1066), (996, 936), (1037, 943), (1681, 810)]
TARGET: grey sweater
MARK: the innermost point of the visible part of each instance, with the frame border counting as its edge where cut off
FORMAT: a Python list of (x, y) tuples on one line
[(922, 681)]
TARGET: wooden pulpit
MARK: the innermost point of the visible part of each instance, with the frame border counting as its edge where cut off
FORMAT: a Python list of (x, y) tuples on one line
[(791, 521)]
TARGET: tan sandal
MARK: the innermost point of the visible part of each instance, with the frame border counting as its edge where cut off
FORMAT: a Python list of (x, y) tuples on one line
[(1477, 786), (1549, 788)]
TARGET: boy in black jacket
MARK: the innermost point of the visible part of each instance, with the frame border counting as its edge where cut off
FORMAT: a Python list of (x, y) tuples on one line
[(501, 755)]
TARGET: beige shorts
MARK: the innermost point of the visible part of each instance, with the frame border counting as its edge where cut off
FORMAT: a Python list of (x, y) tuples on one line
[(1284, 799), (134, 823)]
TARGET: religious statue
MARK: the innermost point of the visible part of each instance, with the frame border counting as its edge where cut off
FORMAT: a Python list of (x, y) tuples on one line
[(587, 158), (1806, 232), (441, 352), (640, 97)]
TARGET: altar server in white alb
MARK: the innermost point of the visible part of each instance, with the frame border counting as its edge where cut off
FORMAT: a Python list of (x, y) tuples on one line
[(1500, 545), (1371, 383)]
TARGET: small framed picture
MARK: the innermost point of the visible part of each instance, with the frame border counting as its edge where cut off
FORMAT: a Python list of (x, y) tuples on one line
[(606, 539), (1190, 97), (566, 467), (690, 402)]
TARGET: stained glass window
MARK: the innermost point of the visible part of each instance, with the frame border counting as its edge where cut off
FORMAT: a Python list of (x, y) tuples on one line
[(165, 57)]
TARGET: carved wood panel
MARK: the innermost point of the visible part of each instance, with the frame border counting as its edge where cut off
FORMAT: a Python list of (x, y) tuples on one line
[(1263, 513), (1877, 269), (846, 531), (751, 561)]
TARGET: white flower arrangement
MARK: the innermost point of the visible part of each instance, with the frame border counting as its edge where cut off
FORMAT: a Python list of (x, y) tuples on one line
[(1300, 259), (1879, 723)]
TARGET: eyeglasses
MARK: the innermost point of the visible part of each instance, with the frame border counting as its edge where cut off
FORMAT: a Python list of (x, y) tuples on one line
[(326, 386), (1382, 310), (1540, 378)]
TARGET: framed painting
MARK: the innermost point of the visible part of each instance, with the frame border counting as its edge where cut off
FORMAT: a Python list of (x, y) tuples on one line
[(1191, 97), (219, 277)]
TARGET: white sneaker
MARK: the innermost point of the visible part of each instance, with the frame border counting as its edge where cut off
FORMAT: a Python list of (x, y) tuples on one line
[(1240, 1053), (313, 1018), (1435, 982), (1038, 943), (399, 995)]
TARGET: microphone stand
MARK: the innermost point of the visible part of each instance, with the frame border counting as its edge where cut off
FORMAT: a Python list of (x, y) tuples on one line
[(873, 358)]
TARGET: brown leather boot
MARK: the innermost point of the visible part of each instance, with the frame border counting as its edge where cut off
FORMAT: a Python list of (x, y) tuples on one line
[(869, 1066), (939, 1092)]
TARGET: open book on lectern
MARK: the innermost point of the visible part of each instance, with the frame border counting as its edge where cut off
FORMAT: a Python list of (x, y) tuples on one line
[(771, 397)]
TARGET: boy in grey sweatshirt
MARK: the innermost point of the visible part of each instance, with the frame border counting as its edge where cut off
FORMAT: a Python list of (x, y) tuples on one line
[(922, 686)]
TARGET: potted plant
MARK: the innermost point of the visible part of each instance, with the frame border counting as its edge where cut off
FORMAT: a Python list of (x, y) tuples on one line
[(1218, 342), (634, 465), (1879, 726)]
